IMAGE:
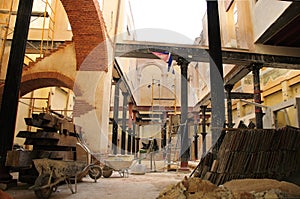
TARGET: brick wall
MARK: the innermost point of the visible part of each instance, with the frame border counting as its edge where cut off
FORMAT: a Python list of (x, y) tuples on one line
[(88, 34)]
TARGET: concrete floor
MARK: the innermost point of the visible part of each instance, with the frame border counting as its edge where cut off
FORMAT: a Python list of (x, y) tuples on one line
[(145, 186)]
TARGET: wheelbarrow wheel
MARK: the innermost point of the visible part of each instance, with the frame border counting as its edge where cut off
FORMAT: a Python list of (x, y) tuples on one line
[(107, 172), (95, 172), (44, 193)]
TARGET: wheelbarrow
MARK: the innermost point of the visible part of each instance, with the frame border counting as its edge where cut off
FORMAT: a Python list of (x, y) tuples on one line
[(52, 172), (119, 163)]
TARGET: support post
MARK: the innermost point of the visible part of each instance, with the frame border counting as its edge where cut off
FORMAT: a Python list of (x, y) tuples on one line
[(257, 96), (164, 130), (228, 88), (203, 111), (196, 115), (9, 106), (129, 143), (185, 148), (124, 117), (115, 119), (134, 133), (216, 70)]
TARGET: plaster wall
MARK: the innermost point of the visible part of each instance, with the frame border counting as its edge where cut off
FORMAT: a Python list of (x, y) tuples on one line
[(265, 13)]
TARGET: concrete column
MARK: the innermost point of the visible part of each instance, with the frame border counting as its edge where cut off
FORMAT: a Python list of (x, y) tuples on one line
[(196, 117), (9, 106), (115, 119), (124, 117), (228, 88), (216, 70), (185, 148), (257, 96), (203, 112)]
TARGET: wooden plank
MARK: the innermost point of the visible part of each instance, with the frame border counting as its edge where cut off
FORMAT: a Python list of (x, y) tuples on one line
[(18, 159)]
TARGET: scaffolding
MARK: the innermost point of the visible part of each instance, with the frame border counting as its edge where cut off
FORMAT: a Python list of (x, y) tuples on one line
[(47, 39), (5, 16)]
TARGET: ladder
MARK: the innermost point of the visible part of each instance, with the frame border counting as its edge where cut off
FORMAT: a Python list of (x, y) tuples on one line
[(173, 150)]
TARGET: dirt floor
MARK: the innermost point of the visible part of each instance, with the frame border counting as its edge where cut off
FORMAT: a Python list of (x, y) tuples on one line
[(145, 186)]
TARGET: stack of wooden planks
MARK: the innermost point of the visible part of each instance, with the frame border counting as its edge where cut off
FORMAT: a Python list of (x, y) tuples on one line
[(253, 153), (54, 137)]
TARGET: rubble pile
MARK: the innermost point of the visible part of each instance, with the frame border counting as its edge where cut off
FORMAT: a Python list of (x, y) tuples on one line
[(194, 188)]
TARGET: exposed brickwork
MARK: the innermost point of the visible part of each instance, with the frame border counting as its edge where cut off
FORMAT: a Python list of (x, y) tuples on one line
[(81, 107), (44, 79), (88, 34), (38, 80)]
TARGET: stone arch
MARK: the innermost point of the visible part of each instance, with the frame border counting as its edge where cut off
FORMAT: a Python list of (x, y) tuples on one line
[(88, 29)]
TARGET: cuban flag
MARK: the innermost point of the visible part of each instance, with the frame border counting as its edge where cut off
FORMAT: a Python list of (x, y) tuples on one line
[(167, 57)]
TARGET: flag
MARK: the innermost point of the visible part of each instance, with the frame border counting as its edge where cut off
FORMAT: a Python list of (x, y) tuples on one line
[(167, 57)]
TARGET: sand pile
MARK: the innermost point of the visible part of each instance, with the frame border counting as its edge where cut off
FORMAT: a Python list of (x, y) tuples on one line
[(193, 188)]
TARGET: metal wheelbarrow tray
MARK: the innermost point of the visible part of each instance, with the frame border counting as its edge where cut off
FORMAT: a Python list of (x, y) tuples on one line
[(120, 163), (52, 172)]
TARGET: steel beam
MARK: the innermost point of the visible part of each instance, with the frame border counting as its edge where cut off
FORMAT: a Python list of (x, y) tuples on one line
[(193, 53)]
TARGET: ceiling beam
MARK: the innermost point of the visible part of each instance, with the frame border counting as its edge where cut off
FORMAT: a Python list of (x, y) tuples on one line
[(193, 53)]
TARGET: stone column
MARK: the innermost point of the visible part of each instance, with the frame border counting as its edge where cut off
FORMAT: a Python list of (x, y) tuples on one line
[(10, 97)]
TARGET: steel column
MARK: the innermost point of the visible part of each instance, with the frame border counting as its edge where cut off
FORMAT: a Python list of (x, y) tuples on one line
[(216, 70), (185, 148), (134, 133), (124, 117), (164, 130), (196, 115), (228, 88), (203, 111), (257, 96), (115, 119), (9, 106), (129, 145)]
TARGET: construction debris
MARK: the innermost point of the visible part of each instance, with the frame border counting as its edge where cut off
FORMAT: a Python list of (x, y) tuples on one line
[(194, 188), (252, 153)]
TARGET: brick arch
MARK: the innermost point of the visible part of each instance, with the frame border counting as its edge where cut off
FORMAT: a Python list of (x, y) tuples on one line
[(38, 80), (88, 29)]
